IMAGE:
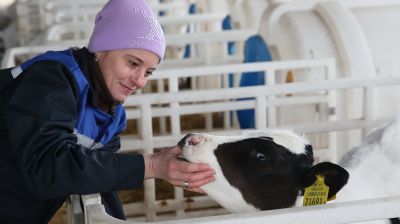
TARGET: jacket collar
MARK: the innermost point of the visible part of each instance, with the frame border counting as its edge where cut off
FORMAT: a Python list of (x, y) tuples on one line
[(99, 95)]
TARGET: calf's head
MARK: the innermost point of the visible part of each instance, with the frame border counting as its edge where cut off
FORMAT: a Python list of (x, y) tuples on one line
[(259, 170)]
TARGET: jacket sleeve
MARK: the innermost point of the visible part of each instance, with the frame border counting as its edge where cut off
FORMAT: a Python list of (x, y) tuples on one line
[(40, 118)]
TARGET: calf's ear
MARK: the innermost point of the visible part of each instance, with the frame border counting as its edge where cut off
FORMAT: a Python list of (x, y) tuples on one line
[(335, 176)]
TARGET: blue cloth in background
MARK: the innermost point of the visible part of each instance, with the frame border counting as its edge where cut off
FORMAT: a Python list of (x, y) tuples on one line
[(227, 25), (255, 51), (192, 10)]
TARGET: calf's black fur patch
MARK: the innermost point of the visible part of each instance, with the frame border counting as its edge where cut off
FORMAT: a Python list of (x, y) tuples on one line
[(270, 176), (270, 183)]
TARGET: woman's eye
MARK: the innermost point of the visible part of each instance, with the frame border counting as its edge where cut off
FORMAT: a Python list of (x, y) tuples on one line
[(148, 74), (133, 63)]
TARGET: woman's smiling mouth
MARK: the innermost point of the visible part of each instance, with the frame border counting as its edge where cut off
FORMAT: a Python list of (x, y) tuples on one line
[(127, 89)]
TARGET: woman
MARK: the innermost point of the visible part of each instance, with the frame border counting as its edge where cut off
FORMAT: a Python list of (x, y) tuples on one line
[(61, 117)]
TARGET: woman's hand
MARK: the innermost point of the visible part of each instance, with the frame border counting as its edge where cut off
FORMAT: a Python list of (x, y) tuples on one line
[(166, 165)]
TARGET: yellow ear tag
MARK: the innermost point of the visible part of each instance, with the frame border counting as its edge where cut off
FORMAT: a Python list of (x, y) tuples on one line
[(317, 193), (332, 198)]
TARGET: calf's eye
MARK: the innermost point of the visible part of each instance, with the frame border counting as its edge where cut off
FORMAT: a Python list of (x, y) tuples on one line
[(261, 158)]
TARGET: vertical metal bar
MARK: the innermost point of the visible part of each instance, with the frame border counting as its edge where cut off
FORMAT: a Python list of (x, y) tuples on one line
[(226, 114), (163, 121), (149, 185), (332, 107), (208, 61), (368, 108), (176, 131), (261, 113), (269, 77)]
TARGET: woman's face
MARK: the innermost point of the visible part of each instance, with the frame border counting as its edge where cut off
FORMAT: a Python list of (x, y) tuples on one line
[(125, 71)]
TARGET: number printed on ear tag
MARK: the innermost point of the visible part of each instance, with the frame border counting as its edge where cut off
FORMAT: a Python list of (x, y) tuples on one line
[(317, 193)]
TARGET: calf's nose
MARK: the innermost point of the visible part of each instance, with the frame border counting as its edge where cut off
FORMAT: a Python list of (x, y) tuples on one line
[(191, 139), (195, 139), (183, 140)]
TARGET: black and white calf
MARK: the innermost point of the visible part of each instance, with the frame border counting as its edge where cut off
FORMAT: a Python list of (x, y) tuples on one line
[(260, 170), (268, 170)]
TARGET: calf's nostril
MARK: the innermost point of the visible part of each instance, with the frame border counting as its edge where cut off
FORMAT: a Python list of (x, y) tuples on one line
[(195, 139), (183, 141)]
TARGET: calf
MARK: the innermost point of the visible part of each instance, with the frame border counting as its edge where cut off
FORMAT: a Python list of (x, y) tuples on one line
[(270, 169), (259, 170)]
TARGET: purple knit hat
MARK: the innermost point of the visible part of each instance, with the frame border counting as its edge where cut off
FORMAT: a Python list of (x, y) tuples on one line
[(127, 24)]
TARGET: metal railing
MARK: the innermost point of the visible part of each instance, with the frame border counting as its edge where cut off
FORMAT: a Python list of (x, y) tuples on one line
[(332, 213)]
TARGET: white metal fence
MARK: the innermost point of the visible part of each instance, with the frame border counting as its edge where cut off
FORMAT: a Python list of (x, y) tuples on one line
[(177, 103), (261, 104), (334, 213), (273, 72), (73, 30), (207, 48), (264, 99), (35, 16)]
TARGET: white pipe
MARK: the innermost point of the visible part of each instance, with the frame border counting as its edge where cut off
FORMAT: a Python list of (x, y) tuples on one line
[(334, 213)]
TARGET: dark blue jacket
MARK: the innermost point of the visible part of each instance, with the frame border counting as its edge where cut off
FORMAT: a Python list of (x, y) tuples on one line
[(55, 141)]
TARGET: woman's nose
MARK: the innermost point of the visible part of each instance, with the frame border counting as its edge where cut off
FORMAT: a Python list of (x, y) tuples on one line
[(139, 79)]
